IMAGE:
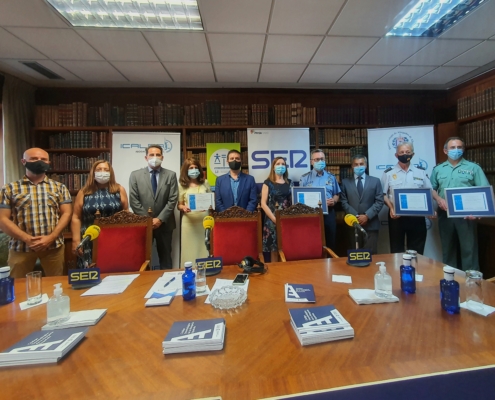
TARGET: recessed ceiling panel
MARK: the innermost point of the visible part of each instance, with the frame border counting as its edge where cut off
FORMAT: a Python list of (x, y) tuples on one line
[(368, 17), (443, 75), (93, 70), (235, 16), (290, 49), (29, 13), (179, 46), (405, 75), (142, 71), (58, 44), (119, 45), (236, 48), (12, 47), (342, 50), (365, 74), (288, 73), (190, 72), (393, 50), (231, 72), (308, 17), (324, 73), (479, 25), (440, 51), (475, 57)]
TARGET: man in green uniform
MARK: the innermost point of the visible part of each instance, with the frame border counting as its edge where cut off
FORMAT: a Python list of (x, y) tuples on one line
[(457, 232)]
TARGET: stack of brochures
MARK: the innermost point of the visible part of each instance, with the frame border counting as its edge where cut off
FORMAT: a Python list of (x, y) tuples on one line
[(319, 324), (299, 293), (191, 336), (78, 318), (42, 347)]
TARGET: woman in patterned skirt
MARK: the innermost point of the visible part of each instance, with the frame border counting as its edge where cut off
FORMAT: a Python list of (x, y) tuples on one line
[(101, 193), (276, 190)]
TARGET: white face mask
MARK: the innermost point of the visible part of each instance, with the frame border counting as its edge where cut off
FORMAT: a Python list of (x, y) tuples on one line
[(102, 177), (154, 162)]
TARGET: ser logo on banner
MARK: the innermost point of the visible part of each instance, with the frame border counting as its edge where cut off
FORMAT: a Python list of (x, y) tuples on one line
[(263, 158)]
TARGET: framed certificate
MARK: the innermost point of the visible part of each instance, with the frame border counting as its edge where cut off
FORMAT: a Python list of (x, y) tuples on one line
[(201, 201), (310, 196), (476, 201), (413, 202)]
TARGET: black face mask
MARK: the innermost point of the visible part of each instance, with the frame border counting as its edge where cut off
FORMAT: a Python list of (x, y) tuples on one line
[(37, 167), (405, 158), (235, 165)]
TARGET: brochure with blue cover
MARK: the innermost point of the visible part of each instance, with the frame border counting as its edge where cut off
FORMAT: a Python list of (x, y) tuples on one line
[(299, 293)]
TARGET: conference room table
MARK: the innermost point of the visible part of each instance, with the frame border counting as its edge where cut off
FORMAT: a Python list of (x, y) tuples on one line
[(121, 357)]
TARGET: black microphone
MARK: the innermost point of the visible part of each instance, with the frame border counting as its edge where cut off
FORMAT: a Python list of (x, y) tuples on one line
[(351, 220), (91, 233), (208, 223)]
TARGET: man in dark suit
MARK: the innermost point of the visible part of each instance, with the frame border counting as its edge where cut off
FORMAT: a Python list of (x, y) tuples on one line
[(235, 188), (362, 196), (156, 188)]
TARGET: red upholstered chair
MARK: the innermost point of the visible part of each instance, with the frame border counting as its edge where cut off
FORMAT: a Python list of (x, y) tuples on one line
[(237, 234), (301, 233), (124, 243)]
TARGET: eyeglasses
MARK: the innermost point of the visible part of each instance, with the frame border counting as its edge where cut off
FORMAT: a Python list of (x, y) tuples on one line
[(319, 159)]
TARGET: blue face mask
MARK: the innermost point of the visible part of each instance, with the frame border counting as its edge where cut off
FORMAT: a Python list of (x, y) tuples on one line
[(280, 169), (193, 173), (359, 170), (455, 154), (319, 165)]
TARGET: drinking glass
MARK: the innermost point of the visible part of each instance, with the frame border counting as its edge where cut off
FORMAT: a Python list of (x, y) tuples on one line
[(474, 290), (33, 287)]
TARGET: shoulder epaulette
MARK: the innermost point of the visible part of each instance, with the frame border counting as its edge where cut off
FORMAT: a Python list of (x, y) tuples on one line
[(306, 174), (388, 170)]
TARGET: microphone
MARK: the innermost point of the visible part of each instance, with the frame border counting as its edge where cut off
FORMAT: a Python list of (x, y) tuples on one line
[(351, 220), (208, 223), (91, 233)]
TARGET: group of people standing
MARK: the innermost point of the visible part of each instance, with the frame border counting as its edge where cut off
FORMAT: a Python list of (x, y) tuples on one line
[(35, 210)]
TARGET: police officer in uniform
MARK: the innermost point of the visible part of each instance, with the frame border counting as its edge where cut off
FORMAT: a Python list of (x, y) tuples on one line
[(457, 232), (404, 175), (319, 177)]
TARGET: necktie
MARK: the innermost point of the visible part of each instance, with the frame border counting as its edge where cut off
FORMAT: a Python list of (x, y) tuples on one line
[(360, 186), (153, 182)]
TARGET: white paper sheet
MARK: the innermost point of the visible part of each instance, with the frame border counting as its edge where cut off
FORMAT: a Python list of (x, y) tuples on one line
[(201, 201), (341, 278), (311, 199), (113, 284), (483, 309), (24, 305), (173, 282), (470, 202), (413, 202)]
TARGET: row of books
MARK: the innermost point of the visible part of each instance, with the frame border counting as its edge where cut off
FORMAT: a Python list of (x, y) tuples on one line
[(484, 156), (342, 136), (491, 179), (201, 138), (211, 113), (337, 156), (479, 132), (479, 103), (340, 172), (70, 180), (78, 140), (69, 162)]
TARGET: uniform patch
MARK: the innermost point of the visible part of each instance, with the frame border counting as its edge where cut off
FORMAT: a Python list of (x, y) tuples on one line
[(465, 171), (394, 176)]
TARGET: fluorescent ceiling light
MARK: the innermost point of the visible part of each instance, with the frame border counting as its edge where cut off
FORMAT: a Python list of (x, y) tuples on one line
[(430, 18), (139, 14)]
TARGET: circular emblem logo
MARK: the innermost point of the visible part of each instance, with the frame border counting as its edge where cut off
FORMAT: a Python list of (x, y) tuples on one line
[(167, 146), (398, 138)]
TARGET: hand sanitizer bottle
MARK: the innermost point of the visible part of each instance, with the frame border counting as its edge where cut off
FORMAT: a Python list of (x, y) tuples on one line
[(58, 307), (449, 291), (188, 282), (383, 281), (407, 275), (7, 294)]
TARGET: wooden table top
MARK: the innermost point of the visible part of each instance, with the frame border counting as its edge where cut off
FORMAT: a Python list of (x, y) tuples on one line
[(121, 356)]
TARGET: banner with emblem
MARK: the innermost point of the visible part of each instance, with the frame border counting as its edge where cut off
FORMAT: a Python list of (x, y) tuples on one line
[(266, 144), (382, 145)]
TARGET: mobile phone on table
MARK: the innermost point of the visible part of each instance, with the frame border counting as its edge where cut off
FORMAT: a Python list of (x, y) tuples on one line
[(240, 279)]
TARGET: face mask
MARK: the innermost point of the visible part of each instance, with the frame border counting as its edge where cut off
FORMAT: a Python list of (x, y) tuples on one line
[(37, 167), (154, 162), (359, 170), (319, 165), (102, 177), (405, 158), (235, 165), (193, 173), (280, 169), (455, 154)]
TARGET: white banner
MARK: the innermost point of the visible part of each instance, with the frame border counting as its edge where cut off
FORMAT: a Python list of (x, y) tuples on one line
[(266, 144), (128, 152), (382, 144)]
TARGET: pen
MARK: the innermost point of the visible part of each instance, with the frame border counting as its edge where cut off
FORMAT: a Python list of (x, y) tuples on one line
[(170, 281)]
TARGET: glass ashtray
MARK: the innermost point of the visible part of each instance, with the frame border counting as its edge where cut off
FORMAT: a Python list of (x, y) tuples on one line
[(228, 297)]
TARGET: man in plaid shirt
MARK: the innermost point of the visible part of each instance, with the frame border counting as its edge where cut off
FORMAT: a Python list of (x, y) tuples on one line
[(33, 212)]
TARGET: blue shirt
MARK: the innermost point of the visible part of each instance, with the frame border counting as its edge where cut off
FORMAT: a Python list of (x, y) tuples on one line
[(234, 185), (326, 179), (157, 174)]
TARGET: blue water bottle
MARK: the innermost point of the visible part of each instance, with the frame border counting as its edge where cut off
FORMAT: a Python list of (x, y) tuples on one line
[(188, 282), (407, 275), (7, 294), (449, 291)]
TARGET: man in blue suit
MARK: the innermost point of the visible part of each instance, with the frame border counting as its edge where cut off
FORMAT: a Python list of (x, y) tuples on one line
[(235, 188)]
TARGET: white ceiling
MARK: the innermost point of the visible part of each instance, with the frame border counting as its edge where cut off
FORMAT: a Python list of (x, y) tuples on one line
[(251, 43)]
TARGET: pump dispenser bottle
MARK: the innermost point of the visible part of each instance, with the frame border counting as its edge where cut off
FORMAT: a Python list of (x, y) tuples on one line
[(58, 307), (383, 281)]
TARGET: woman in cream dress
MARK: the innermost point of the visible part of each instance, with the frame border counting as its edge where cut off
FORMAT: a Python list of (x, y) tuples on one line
[(192, 181)]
